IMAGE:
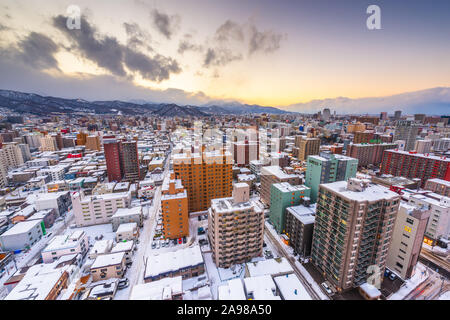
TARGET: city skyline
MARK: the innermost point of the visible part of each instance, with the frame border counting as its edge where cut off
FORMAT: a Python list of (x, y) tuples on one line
[(288, 55)]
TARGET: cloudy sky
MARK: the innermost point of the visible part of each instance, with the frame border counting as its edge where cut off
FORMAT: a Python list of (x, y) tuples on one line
[(276, 53)]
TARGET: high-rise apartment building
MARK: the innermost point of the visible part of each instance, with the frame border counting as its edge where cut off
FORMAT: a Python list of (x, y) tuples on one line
[(283, 195), (11, 155), (423, 146), (355, 127), (26, 154), (130, 160), (3, 173), (439, 222), (363, 136), (369, 153), (207, 175), (245, 146), (397, 114), (93, 143), (327, 168), (235, 228), (122, 159), (174, 207), (407, 240), (274, 174), (438, 186), (81, 139), (299, 228), (48, 143), (305, 147), (414, 165), (113, 151), (353, 230), (406, 130)]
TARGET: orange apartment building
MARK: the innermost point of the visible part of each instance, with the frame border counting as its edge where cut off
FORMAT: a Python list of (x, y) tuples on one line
[(205, 176), (81, 139), (354, 127), (174, 206)]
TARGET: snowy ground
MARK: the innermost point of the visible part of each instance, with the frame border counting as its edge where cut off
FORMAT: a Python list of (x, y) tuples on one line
[(411, 284), (445, 296)]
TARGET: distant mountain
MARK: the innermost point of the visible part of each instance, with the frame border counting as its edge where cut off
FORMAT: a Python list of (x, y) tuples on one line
[(239, 108), (173, 110), (434, 101), (36, 104)]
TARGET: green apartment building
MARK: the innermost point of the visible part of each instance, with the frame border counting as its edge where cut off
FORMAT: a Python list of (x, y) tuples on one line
[(328, 168), (282, 196)]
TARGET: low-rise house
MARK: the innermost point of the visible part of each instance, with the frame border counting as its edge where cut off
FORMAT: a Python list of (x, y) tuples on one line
[(127, 231), (108, 266), (22, 235), (127, 247), (60, 201), (47, 215), (187, 262), (100, 247), (40, 283), (77, 242), (127, 215), (164, 289)]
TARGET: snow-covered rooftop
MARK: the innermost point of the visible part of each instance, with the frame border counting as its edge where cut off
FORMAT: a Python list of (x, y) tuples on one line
[(269, 267), (291, 288), (106, 260), (173, 261), (232, 290)]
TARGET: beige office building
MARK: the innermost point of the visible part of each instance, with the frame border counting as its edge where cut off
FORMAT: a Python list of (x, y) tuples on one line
[(407, 240)]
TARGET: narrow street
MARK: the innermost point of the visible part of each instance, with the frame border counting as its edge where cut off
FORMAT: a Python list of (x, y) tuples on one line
[(300, 276)]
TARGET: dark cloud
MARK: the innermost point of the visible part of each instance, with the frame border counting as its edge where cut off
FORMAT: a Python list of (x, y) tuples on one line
[(21, 77), (105, 51), (231, 40), (267, 41), (165, 24), (185, 45), (157, 68), (35, 50), (108, 53), (230, 30), (136, 36), (220, 57)]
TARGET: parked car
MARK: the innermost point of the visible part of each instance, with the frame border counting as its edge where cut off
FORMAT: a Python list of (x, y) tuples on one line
[(392, 276), (327, 288), (158, 244), (153, 245), (184, 239), (123, 283), (180, 241), (167, 242), (387, 273)]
